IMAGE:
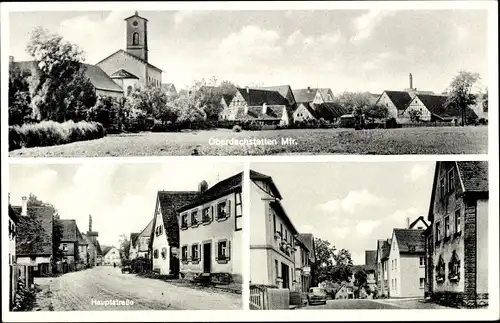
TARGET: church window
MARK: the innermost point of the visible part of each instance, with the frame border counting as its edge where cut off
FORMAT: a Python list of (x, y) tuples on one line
[(135, 39), (129, 90)]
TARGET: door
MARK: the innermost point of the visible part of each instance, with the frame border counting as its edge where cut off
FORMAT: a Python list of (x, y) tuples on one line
[(285, 275), (207, 257)]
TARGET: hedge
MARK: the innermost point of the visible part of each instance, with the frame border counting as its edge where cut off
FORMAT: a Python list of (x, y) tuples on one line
[(50, 133)]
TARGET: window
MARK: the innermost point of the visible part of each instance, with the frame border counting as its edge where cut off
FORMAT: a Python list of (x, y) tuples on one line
[(206, 215), (274, 222), (184, 221), (440, 270), (451, 180), (135, 39), (395, 264), (441, 188), (195, 252), (194, 218), (65, 247), (395, 283), (159, 230), (458, 228), (422, 261), (438, 232), (223, 210), (447, 226), (129, 90), (223, 250), (422, 282), (454, 267), (155, 254), (164, 253), (277, 268), (238, 217), (184, 253)]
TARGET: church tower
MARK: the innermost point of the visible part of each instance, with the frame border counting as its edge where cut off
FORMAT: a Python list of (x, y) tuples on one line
[(137, 36)]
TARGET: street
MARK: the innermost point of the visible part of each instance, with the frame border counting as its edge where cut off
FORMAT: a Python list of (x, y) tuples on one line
[(89, 289), (375, 304)]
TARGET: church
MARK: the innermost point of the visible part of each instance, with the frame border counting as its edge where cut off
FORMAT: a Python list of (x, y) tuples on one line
[(118, 74), (129, 68)]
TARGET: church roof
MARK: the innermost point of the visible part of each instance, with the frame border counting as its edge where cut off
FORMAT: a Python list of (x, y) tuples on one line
[(123, 74), (135, 15), (131, 55)]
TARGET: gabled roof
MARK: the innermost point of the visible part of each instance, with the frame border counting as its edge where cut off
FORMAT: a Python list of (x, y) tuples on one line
[(123, 74), (420, 218), (99, 79), (131, 55), (259, 176), (34, 232), (135, 15), (326, 110), (399, 98), (169, 88), (410, 240), (146, 232), (170, 202), (133, 239), (307, 95), (281, 89), (96, 243), (370, 257), (308, 240), (106, 249), (436, 104), (474, 175), (374, 98), (385, 246), (222, 188), (69, 232), (257, 97), (81, 239), (14, 214)]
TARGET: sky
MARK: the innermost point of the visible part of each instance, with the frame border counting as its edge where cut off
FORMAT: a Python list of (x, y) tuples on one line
[(352, 204), (120, 197), (346, 50)]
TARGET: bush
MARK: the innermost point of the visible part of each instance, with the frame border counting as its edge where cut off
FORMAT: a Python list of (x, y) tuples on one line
[(108, 112), (24, 300), (237, 128), (483, 121), (50, 133)]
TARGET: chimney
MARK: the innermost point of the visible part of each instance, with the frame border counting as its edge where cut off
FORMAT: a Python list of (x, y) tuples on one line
[(248, 90), (264, 108), (24, 206), (411, 81), (408, 223), (202, 187), (90, 223), (11, 59)]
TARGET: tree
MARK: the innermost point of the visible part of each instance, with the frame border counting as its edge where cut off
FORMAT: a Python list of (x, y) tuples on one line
[(371, 112), (108, 112), (342, 269), (59, 88), (361, 278), (19, 98), (188, 109), (354, 101), (124, 246), (207, 95), (460, 96), (322, 268), (415, 115), (485, 100)]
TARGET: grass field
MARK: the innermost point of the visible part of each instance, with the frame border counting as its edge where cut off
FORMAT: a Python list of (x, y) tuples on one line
[(424, 140)]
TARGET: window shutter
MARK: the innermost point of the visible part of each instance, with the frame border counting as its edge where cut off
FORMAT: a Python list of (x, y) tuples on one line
[(228, 208), (212, 213), (228, 250)]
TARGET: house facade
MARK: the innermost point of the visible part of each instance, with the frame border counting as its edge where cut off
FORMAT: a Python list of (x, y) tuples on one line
[(407, 263), (144, 241), (83, 252), (395, 102), (327, 111), (211, 232), (272, 253), (69, 245), (346, 291), (111, 256), (434, 108), (382, 273), (260, 106), (457, 239), (164, 236), (133, 248), (304, 257)]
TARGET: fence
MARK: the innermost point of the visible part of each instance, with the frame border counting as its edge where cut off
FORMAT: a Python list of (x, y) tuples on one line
[(257, 298), (269, 298)]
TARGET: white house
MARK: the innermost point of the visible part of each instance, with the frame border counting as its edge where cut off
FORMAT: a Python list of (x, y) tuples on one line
[(211, 232), (407, 263), (433, 108), (111, 256), (164, 242), (395, 102), (272, 237)]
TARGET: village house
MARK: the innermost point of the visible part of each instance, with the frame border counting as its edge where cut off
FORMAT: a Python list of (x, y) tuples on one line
[(34, 239), (83, 252), (313, 95), (346, 291), (305, 255), (457, 239), (395, 102), (433, 108), (382, 270), (284, 90), (164, 236), (261, 106), (111, 256), (133, 246), (94, 248), (328, 111), (13, 273), (210, 232), (272, 253), (70, 246), (143, 241), (134, 61)]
